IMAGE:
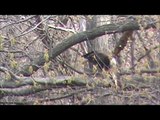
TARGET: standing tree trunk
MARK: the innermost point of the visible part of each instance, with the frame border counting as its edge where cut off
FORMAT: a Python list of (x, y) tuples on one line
[(100, 43)]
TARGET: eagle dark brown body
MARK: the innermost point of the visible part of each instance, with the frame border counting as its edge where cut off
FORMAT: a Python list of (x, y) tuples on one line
[(98, 58)]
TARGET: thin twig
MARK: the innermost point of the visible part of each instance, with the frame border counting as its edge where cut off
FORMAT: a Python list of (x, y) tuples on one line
[(30, 30), (63, 29), (65, 96)]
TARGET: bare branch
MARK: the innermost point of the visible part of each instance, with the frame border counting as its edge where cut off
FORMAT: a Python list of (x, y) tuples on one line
[(140, 72), (147, 52), (63, 29), (30, 30), (60, 80), (18, 22), (13, 76), (65, 96), (11, 51), (23, 91)]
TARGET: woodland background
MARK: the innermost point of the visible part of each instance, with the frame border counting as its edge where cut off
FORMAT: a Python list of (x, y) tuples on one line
[(41, 59)]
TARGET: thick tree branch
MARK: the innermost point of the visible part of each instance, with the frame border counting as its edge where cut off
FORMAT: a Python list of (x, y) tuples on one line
[(46, 84), (23, 91), (140, 72), (80, 37), (57, 81)]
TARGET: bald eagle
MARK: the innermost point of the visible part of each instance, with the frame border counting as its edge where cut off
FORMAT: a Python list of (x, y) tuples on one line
[(98, 58)]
